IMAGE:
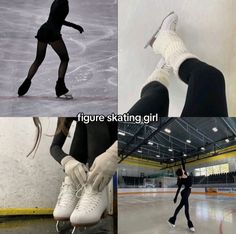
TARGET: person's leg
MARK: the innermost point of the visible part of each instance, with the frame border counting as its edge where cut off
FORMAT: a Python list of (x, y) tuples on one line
[(78, 148), (60, 48), (206, 89), (40, 55), (186, 205), (179, 207), (154, 100), (177, 210)]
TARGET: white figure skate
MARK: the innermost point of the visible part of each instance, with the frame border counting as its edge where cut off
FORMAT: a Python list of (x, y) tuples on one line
[(168, 23), (90, 208), (66, 203)]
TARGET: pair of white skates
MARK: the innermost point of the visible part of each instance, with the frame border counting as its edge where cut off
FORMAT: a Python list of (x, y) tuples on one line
[(81, 206)]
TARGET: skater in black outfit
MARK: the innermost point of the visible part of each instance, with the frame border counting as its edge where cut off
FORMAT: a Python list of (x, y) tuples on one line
[(186, 180), (50, 33), (206, 96)]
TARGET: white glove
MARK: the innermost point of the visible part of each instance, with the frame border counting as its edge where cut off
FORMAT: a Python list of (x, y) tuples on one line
[(75, 170), (103, 168)]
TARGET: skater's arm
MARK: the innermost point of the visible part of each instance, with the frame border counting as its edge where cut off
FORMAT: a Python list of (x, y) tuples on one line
[(72, 25), (177, 192), (59, 140)]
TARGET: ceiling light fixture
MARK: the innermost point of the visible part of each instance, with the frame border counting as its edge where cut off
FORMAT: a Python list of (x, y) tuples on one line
[(188, 141), (167, 130), (121, 133), (227, 140), (215, 129), (170, 149), (150, 143)]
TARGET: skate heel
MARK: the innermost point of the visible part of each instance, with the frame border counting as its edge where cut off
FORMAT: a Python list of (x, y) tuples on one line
[(104, 215)]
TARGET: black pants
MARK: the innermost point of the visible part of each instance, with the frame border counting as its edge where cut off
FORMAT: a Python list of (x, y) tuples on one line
[(91, 140), (205, 96), (185, 193)]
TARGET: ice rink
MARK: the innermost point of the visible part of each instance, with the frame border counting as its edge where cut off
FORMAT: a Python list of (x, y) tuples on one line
[(148, 213), (92, 71), (207, 28)]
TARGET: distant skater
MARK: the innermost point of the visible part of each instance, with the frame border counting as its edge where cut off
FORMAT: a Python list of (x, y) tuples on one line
[(50, 33), (186, 180)]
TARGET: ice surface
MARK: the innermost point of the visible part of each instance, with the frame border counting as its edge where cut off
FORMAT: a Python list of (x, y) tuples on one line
[(92, 72)]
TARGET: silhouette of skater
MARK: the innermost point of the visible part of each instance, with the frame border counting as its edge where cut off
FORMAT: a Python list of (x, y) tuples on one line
[(50, 33)]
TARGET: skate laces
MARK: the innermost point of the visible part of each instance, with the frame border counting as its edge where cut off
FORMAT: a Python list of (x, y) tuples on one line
[(79, 190), (67, 193), (89, 198)]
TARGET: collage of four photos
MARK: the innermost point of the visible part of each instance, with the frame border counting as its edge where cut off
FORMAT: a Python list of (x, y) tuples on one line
[(117, 116)]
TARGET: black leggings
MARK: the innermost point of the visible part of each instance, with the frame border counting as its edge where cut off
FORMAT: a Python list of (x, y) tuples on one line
[(184, 202), (60, 48), (205, 96)]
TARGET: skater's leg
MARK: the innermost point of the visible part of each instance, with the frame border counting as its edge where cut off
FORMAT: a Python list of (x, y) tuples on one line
[(179, 207), (40, 55), (60, 48), (172, 219), (206, 89), (154, 95), (186, 210), (154, 100)]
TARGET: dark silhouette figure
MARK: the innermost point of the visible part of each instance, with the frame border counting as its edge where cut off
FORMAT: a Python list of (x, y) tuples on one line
[(186, 180), (50, 33)]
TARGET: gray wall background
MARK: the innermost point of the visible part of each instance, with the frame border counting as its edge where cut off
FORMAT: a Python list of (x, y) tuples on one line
[(28, 182)]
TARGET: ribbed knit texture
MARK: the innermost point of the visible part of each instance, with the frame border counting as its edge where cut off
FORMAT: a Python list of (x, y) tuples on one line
[(172, 48)]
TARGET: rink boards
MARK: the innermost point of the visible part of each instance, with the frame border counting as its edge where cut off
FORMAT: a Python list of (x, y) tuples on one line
[(211, 190)]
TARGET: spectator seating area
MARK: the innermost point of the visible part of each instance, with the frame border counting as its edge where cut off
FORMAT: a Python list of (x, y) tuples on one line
[(224, 178)]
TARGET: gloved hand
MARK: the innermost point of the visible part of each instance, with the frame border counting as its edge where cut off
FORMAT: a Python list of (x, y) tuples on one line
[(103, 168), (75, 170), (175, 199), (79, 28)]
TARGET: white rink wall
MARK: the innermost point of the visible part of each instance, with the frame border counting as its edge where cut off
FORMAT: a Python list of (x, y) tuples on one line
[(153, 190), (28, 182), (200, 191), (207, 28)]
